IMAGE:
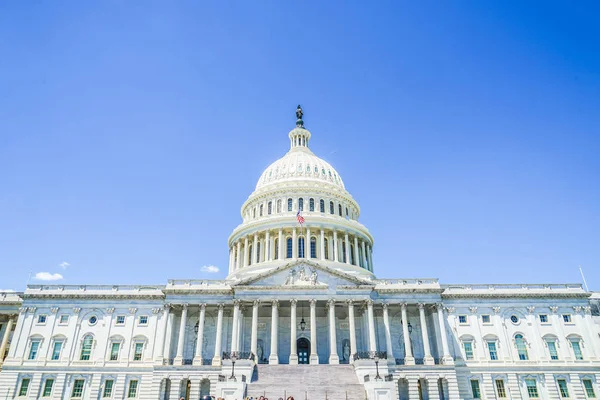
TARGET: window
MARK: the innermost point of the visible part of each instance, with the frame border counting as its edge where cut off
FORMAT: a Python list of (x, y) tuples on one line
[(276, 244), (33, 350), (552, 349), (24, 387), (41, 319), (462, 319), (313, 247), (340, 210), (544, 318), (92, 320), (577, 349), (468, 346), (521, 347), (143, 320), (562, 388), (289, 248), (254, 212), (290, 204), (269, 207), (327, 249), (139, 349), (77, 388), (133, 385), (56, 349), (311, 205), (279, 206), (589, 388), (86, 347), (567, 318), (485, 319), (301, 204), (114, 351), (64, 319), (261, 210), (500, 388), (47, 392), (250, 255), (475, 389), (301, 247), (492, 350), (322, 205), (514, 319), (532, 391), (258, 252), (344, 251), (108, 388), (120, 320), (331, 207)]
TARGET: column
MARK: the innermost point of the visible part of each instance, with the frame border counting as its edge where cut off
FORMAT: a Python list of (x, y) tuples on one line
[(333, 354), (294, 244), (408, 356), (200, 340), (268, 247), (254, 335), (336, 256), (5, 337), (356, 258), (447, 358), (234, 326), (370, 252), (231, 251), (307, 243), (245, 264), (239, 255), (168, 334), (181, 341), (371, 320), (364, 260), (216, 361), (322, 244), (347, 247), (388, 335), (273, 358), (281, 256), (352, 328), (314, 357), (254, 249), (433, 389), (413, 387), (293, 349), (428, 359)]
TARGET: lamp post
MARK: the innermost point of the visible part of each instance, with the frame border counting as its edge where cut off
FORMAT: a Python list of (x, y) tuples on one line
[(376, 358), (233, 360)]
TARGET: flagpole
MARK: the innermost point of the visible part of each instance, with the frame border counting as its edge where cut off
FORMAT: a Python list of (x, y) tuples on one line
[(587, 289)]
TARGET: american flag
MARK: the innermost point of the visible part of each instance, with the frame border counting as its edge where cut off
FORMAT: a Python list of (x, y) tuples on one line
[(300, 218)]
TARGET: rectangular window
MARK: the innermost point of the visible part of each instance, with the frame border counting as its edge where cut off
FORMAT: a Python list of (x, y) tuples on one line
[(120, 320), (577, 350), (544, 318), (562, 388), (33, 350), (108, 388), (486, 319), (24, 387), (48, 387), (475, 389), (77, 388), (289, 204), (500, 388), (462, 319), (468, 346), (532, 390), (567, 318), (56, 349), (41, 319), (64, 319), (132, 392), (114, 351), (552, 350), (139, 348), (143, 320), (589, 388), (492, 350)]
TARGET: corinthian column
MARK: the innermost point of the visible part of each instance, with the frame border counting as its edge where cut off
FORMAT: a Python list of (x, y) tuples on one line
[(234, 325), (254, 334), (294, 244), (408, 356), (245, 264), (239, 255), (4, 345), (447, 358), (388, 335), (273, 357), (364, 254), (333, 355), (352, 328), (336, 256), (371, 320), (280, 244), (347, 252), (268, 249), (356, 258), (307, 243), (322, 240), (293, 344), (181, 341), (428, 360), (217, 357), (200, 340), (314, 357), (255, 254)]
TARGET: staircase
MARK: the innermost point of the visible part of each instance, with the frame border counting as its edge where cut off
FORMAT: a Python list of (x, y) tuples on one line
[(333, 382)]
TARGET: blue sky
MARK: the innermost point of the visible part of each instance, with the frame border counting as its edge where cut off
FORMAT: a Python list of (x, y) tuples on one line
[(132, 132)]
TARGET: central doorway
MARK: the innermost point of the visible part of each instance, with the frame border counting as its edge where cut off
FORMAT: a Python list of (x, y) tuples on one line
[(303, 345)]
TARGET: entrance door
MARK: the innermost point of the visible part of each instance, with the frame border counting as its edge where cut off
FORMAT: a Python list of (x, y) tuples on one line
[(303, 346)]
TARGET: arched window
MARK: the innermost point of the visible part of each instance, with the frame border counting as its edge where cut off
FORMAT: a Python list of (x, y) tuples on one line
[(254, 212), (289, 248), (250, 255), (278, 206), (290, 204), (346, 211), (521, 347), (331, 207), (360, 258), (352, 255), (327, 249), (258, 252), (340, 209), (261, 210), (276, 244), (301, 204), (322, 205), (313, 247), (86, 347), (269, 207), (311, 205), (301, 247), (343, 251)]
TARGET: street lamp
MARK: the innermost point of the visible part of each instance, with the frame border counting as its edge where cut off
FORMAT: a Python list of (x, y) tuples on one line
[(196, 327), (233, 360), (302, 323), (409, 328), (376, 358)]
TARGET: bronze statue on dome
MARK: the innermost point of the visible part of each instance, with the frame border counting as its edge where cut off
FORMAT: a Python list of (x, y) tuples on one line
[(299, 112)]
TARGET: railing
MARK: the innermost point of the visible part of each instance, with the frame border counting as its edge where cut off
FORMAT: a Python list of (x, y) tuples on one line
[(168, 361), (419, 361), (437, 361), (513, 286), (196, 282), (389, 378), (418, 281), (207, 361), (238, 355), (399, 361), (369, 355), (188, 361), (222, 378)]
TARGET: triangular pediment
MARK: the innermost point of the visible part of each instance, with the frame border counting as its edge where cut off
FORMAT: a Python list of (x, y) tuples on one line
[(303, 274)]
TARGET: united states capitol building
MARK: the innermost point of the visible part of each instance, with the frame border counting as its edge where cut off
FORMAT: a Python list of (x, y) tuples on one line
[(301, 313)]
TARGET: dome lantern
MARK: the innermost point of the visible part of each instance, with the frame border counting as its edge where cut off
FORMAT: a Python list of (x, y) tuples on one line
[(299, 136)]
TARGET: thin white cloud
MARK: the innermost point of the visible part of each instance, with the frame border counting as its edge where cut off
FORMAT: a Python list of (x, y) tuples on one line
[(7, 291), (211, 269), (64, 265), (47, 276)]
